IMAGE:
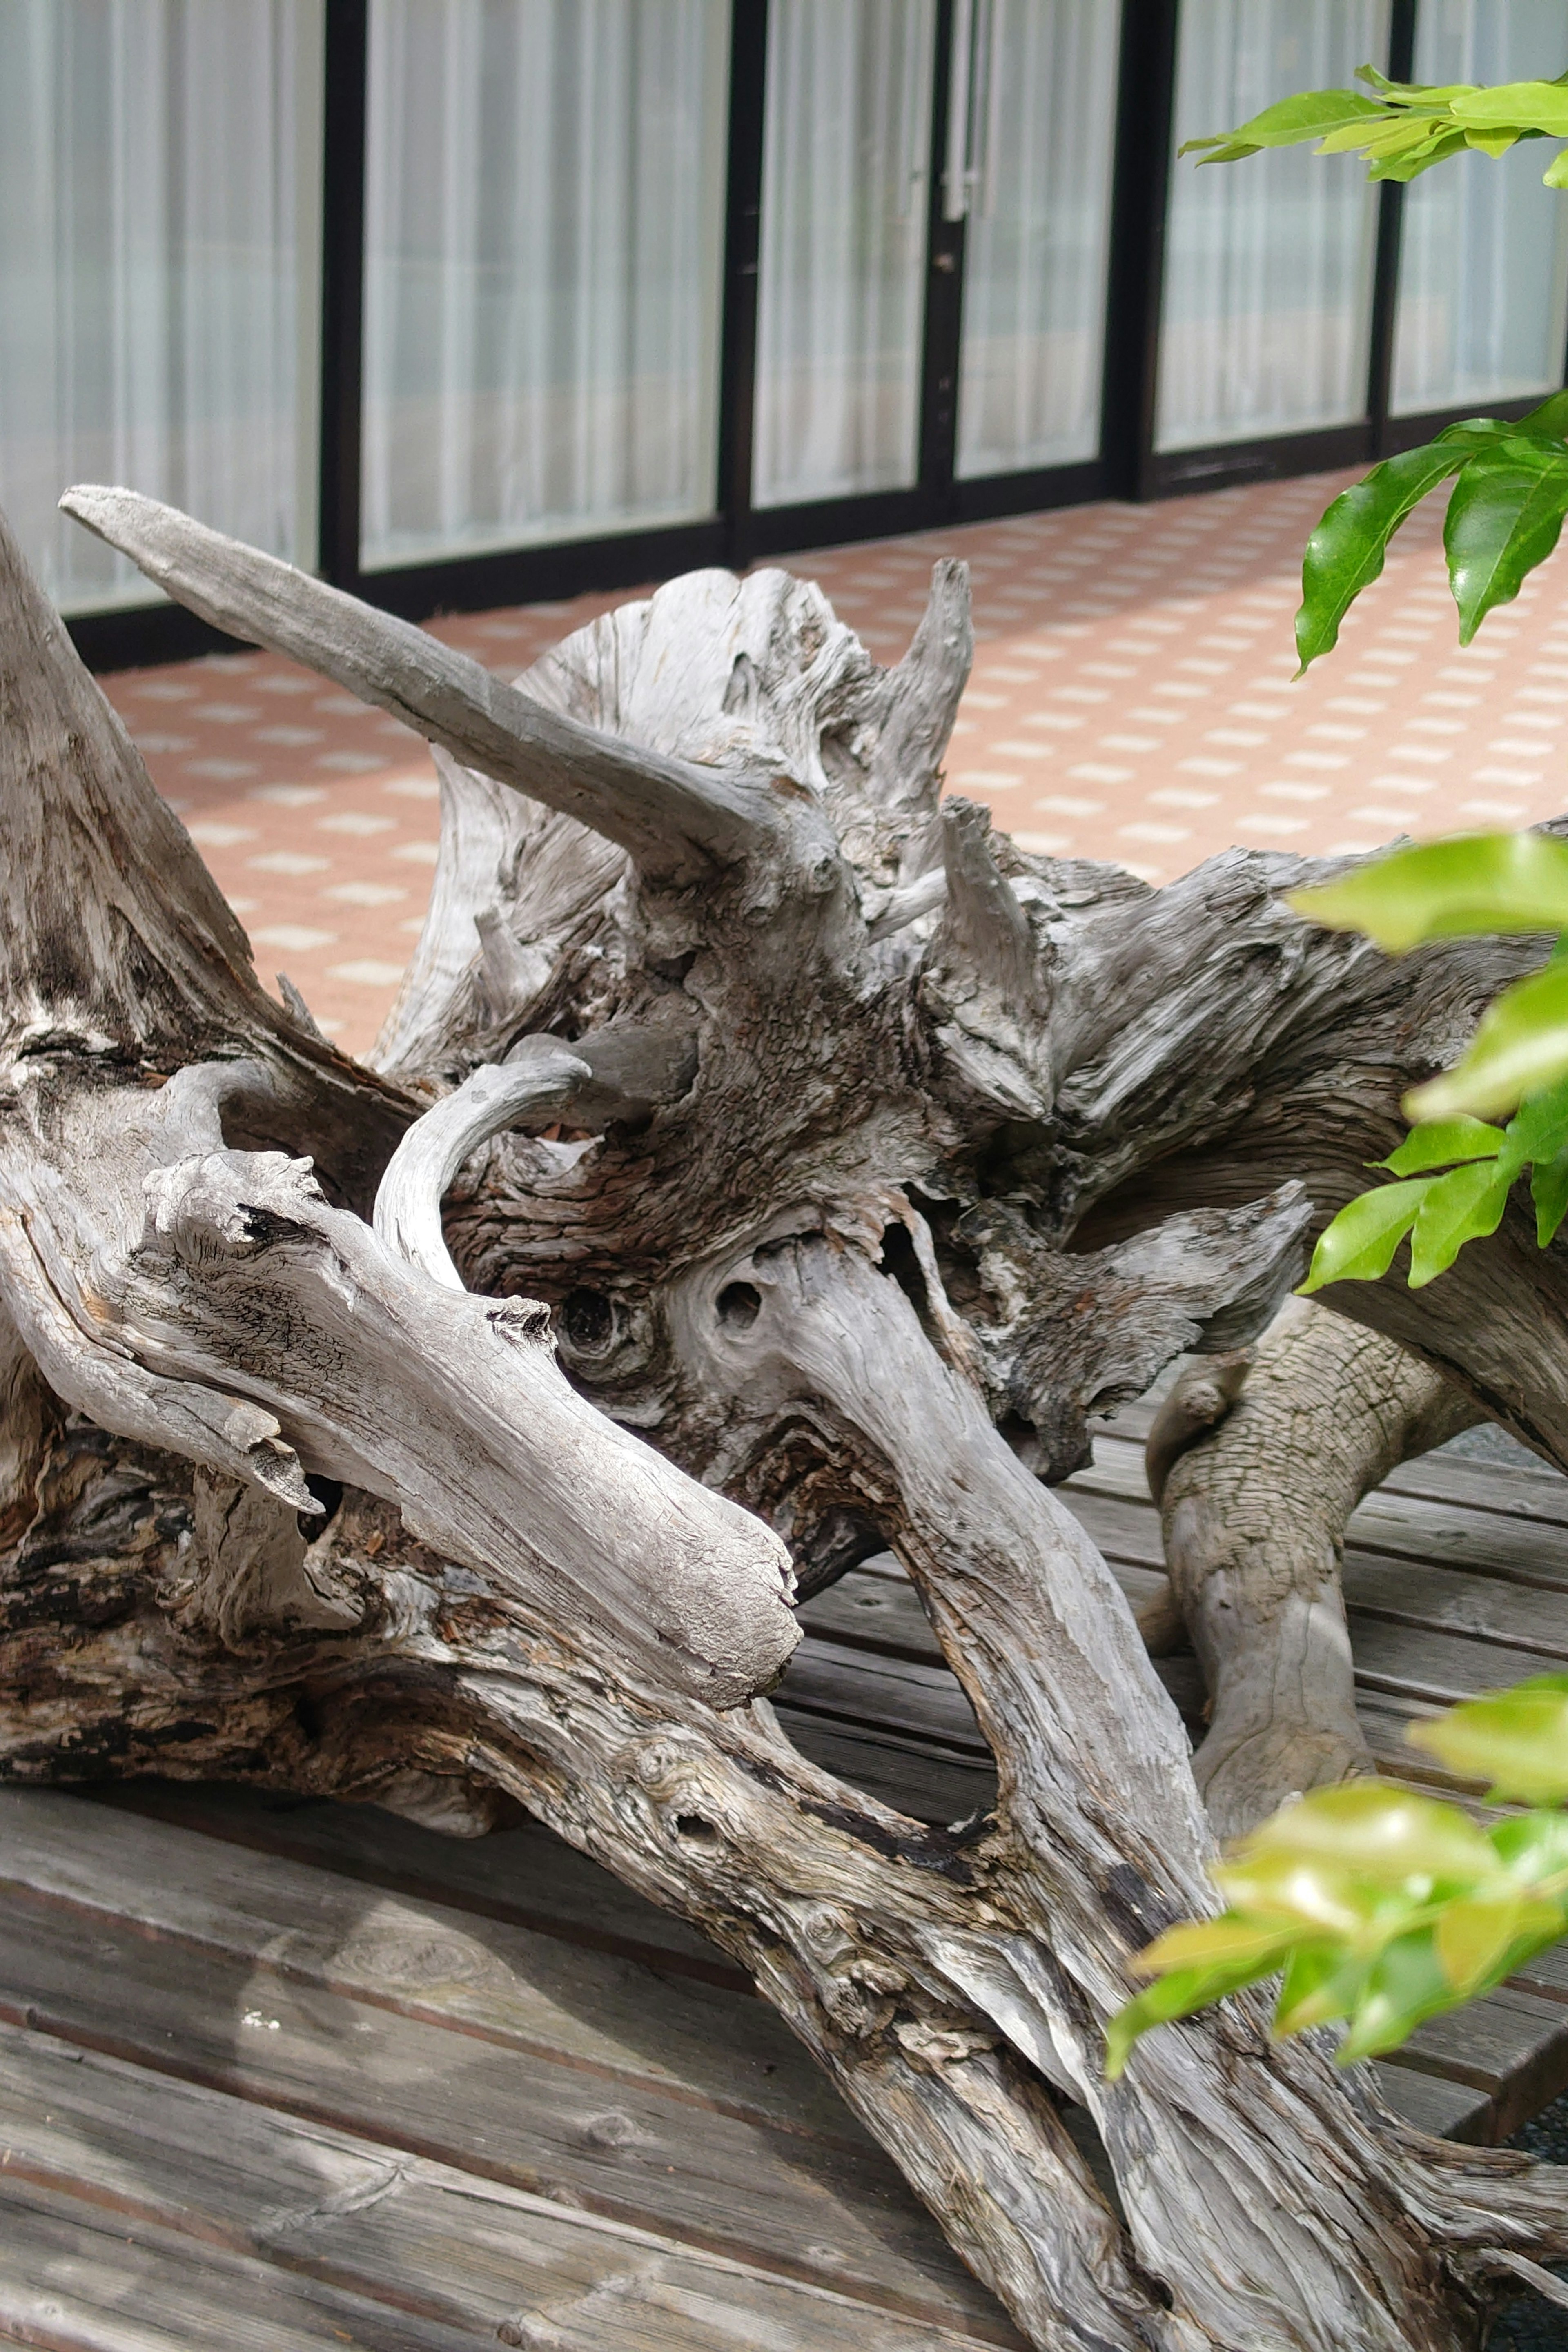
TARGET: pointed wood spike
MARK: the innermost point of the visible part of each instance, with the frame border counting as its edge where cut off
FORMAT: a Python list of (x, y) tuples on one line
[(984, 923), (906, 770), (679, 821)]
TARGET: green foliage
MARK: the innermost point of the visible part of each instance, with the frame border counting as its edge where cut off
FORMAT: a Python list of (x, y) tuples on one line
[(1480, 883), (1459, 1173), (1406, 127), (1511, 494), (1455, 1170), (1372, 1905), (1377, 1906), (1505, 516)]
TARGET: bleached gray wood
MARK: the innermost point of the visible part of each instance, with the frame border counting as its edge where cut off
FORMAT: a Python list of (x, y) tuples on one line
[(675, 820), (1256, 1487), (880, 1235), (204, 2176)]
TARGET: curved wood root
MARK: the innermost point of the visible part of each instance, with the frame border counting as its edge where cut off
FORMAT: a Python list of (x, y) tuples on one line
[(1257, 1463)]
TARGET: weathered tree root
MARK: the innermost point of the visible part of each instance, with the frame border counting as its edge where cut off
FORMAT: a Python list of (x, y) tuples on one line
[(1257, 1463), (893, 1153)]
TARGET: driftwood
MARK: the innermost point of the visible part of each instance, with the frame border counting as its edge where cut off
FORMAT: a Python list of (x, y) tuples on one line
[(814, 1163), (1257, 1463)]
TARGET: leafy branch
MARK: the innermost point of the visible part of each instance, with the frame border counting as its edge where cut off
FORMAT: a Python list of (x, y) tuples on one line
[(1406, 127), (1374, 1905), (1457, 1170), (1378, 1906)]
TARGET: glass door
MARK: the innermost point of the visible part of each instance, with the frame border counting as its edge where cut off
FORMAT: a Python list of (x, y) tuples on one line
[(845, 175), (1267, 315), (1031, 133), (1483, 267), (544, 210), (160, 234)]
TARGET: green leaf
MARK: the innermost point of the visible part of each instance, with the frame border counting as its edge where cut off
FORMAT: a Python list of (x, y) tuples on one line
[(1405, 1987), (1410, 166), (1176, 1995), (1549, 1193), (1346, 551), (1476, 1939), (1441, 1143), (1517, 1740), (1504, 517), (1463, 1206), (1399, 1839), (1216, 1943), (1445, 890), (1359, 1245), (1547, 423), (1521, 105), (1533, 1848), (1323, 1982), (1520, 1046), (1310, 114), (1538, 1130)]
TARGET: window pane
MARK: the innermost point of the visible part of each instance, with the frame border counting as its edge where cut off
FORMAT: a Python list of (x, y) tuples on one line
[(159, 230), (1268, 294), (845, 155), (544, 229), (1483, 266), (1038, 235)]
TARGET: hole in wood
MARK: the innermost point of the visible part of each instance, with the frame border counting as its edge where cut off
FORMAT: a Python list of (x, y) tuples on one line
[(587, 1321), (738, 1306)]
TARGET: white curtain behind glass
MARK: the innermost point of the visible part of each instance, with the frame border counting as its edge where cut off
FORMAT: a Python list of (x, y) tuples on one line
[(159, 229), (544, 218), (1483, 264), (1267, 307), (1038, 235), (845, 156)]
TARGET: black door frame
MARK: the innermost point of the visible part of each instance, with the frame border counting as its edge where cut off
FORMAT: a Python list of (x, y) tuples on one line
[(736, 534)]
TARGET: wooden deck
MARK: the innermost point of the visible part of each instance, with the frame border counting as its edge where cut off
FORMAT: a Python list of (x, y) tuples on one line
[(276, 2077)]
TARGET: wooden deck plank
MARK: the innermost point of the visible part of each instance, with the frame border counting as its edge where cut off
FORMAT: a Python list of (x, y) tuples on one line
[(706, 2046), (259, 2023), (171, 2161), (76, 2278), (1482, 1541)]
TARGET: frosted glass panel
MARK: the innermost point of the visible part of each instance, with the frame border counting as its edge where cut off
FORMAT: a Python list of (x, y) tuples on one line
[(544, 225), (1044, 119), (845, 154), (1268, 263), (160, 168), (1483, 264)]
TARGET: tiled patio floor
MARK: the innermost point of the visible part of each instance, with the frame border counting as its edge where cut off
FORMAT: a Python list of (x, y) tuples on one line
[(1132, 699)]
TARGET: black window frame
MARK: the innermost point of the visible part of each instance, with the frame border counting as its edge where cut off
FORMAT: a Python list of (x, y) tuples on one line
[(1128, 467)]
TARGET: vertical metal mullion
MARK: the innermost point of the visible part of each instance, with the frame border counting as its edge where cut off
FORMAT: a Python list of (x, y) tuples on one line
[(1145, 106), (1390, 220), (343, 286), (743, 262), (941, 322)]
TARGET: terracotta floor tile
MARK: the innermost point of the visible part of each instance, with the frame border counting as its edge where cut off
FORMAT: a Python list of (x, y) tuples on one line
[(1132, 699)]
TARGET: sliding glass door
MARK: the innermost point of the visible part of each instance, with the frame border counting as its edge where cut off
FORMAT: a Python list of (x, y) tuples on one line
[(1266, 313), (845, 166), (543, 248), (1032, 118), (160, 229), (1483, 278)]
